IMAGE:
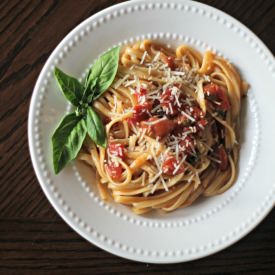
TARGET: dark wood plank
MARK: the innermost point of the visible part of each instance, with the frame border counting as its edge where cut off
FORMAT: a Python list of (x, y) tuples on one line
[(33, 238), (49, 244)]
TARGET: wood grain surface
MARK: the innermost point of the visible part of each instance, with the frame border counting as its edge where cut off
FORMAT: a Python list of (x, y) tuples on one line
[(33, 238)]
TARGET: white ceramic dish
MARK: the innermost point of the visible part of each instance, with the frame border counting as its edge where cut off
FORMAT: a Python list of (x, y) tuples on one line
[(206, 227)]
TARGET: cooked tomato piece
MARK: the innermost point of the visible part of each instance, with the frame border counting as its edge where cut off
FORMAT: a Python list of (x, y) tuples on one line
[(212, 89), (187, 145), (163, 127), (223, 158), (158, 127), (169, 103), (140, 112), (201, 124), (171, 62), (171, 166), (197, 113), (140, 95), (114, 171), (116, 149), (218, 96)]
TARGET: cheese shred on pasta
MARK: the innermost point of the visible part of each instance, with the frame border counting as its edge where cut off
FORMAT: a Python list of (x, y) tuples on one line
[(172, 120)]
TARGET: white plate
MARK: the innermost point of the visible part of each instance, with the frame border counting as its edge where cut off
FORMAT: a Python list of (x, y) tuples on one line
[(211, 224)]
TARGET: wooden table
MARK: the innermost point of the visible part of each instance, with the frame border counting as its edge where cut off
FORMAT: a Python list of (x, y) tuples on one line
[(33, 238)]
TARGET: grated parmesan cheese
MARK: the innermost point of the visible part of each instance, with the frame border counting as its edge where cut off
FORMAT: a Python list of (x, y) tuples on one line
[(190, 179), (143, 57), (156, 57), (214, 159), (188, 116), (155, 186), (142, 135), (179, 165), (129, 83), (156, 121), (132, 67), (137, 83), (155, 177), (160, 170), (170, 108), (121, 80)]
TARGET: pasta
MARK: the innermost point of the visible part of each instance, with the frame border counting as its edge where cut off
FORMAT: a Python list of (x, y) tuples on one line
[(172, 120)]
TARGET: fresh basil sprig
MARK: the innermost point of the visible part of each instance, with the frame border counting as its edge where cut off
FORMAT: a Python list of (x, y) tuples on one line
[(73, 128)]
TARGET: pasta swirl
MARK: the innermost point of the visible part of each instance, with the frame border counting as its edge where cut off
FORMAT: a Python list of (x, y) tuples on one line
[(172, 120)]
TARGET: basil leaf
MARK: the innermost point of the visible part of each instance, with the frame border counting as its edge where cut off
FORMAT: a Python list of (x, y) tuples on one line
[(95, 128), (70, 86), (67, 140), (104, 68), (89, 92), (86, 82)]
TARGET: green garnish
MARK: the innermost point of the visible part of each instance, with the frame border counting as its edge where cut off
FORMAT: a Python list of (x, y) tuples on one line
[(73, 128)]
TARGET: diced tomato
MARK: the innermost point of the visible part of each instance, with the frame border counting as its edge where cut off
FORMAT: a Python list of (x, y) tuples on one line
[(187, 145), (114, 171), (212, 89), (116, 149), (170, 166), (201, 124), (159, 129), (171, 62), (218, 95), (225, 105), (140, 112), (223, 158), (169, 103), (140, 95), (197, 113)]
